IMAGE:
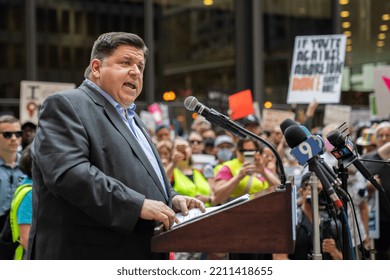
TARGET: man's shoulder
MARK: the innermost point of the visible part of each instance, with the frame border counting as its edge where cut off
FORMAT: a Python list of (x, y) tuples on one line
[(371, 155)]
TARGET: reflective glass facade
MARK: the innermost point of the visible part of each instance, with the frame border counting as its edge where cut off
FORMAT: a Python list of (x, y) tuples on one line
[(205, 48)]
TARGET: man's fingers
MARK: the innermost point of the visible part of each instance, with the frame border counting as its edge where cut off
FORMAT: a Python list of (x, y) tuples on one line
[(167, 219)]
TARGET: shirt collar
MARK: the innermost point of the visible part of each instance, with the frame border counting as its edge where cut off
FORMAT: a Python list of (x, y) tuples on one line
[(130, 110)]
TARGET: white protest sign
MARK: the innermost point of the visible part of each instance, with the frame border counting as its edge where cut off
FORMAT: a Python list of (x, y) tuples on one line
[(272, 118), (32, 95), (316, 71), (337, 114), (382, 91)]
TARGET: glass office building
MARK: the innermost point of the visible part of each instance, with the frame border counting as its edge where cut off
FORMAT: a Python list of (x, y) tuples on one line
[(206, 48)]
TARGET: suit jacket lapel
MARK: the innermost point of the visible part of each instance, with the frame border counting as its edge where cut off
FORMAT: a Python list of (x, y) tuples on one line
[(156, 154), (116, 120)]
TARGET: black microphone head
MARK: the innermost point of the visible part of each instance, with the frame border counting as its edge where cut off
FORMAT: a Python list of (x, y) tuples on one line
[(336, 138), (294, 135), (190, 103), (286, 123)]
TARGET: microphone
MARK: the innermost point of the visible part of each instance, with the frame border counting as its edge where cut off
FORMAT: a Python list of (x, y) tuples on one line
[(332, 177), (343, 150), (192, 104), (306, 150), (303, 147), (286, 124), (289, 122)]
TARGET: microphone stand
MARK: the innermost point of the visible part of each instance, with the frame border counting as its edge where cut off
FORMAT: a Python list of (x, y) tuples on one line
[(316, 218), (192, 104), (376, 160), (343, 175)]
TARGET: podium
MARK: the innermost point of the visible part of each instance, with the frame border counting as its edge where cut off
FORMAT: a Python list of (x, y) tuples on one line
[(263, 224)]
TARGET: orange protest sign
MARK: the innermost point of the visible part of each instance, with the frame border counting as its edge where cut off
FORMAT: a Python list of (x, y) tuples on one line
[(241, 104)]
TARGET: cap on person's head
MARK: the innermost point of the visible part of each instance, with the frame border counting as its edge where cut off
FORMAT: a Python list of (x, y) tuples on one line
[(250, 120), (29, 124), (367, 138), (223, 139)]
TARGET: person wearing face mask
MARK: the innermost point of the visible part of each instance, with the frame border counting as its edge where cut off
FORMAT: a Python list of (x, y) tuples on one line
[(225, 148)]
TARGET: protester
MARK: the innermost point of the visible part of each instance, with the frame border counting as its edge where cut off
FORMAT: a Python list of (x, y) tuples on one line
[(162, 132), (21, 206), (187, 180), (200, 124), (99, 185), (251, 123), (196, 142), (304, 247), (29, 129), (10, 172), (382, 171), (237, 177), (164, 148)]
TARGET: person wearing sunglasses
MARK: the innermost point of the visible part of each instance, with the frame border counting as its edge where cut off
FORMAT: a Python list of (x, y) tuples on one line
[(10, 173)]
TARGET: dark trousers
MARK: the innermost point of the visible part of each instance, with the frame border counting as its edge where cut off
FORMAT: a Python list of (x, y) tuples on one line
[(7, 248), (382, 245)]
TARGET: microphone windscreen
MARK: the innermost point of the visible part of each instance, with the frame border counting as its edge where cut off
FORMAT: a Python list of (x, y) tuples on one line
[(286, 123), (335, 138), (190, 103), (306, 130), (294, 136)]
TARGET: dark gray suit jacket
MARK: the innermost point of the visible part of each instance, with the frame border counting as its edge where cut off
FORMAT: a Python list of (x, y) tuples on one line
[(90, 178)]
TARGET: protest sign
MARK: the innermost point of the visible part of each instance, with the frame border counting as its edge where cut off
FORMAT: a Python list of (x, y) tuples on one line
[(337, 114), (382, 91), (241, 104), (272, 118), (316, 71), (32, 95)]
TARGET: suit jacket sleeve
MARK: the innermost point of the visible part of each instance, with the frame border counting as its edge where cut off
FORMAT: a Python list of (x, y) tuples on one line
[(63, 151)]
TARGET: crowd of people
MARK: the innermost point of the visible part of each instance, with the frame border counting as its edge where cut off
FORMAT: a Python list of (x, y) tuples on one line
[(102, 182), (230, 176)]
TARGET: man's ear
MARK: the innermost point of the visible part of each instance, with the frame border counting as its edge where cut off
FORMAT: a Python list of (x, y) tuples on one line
[(95, 68)]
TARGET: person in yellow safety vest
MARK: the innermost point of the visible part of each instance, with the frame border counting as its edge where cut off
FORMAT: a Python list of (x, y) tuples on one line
[(238, 177), (186, 179), (190, 182), (21, 197), (21, 206), (225, 148)]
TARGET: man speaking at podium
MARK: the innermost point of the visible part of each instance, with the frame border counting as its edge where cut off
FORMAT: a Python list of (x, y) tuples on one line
[(99, 188)]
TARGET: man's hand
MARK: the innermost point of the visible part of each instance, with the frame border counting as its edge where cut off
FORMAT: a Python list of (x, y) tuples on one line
[(158, 211), (311, 108), (329, 246), (183, 203)]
